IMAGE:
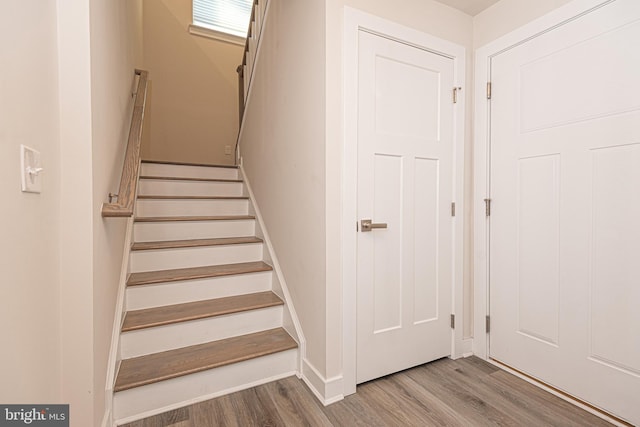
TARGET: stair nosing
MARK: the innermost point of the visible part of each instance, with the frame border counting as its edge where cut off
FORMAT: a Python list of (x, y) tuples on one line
[(288, 343), (193, 273), (190, 179), (176, 197), (270, 300), (203, 165), (186, 218), (194, 243)]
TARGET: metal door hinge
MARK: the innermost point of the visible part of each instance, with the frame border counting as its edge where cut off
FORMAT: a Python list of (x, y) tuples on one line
[(488, 90), (455, 94), (488, 324), (453, 209), (487, 207), (453, 321)]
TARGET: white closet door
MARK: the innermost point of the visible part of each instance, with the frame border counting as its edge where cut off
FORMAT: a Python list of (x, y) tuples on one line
[(405, 180), (565, 221)]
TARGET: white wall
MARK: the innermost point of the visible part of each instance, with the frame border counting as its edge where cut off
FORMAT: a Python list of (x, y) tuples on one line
[(424, 15), (193, 99), (30, 232), (283, 151)]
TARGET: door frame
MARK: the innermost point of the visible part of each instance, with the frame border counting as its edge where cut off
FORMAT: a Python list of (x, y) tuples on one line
[(354, 21), (482, 160)]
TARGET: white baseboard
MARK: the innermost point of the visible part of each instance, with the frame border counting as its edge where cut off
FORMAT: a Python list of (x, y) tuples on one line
[(327, 391), (466, 347), (114, 350), (279, 284), (462, 348), (107, 420)]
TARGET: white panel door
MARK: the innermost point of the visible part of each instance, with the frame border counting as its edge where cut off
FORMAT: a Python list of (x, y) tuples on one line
[(405, 179), (565, 220)]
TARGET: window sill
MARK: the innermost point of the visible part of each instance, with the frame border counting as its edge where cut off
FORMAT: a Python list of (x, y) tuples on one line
[(197, 30)]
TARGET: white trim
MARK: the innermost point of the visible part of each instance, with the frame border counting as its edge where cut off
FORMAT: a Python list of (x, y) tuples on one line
[(114, 352), (482, 188), (326, 390), (299, 335), (355, 20), (107, 420), (465, 349), (203, 398), (210, 33)]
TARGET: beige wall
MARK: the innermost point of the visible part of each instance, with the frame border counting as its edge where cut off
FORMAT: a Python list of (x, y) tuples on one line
[(30, 232), (193, 110), (508, 15), (424, 15), (283, 151)]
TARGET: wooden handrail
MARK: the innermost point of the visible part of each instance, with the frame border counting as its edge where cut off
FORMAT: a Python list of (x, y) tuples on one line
[(256, 23), (240, 69), (131, 165)]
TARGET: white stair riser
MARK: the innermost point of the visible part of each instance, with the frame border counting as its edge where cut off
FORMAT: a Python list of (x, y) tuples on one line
[(184, 230), (153, 187), (167, 259), (147, 296), (181, 171), (151, 399), (184, 334), (159, 207)]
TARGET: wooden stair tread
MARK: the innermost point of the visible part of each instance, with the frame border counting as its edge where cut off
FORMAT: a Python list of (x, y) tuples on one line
[(193, 218), (166, 315), (178, 178), (150, 277), (192, 243), (156, 367), (205, 165), (151, 197)]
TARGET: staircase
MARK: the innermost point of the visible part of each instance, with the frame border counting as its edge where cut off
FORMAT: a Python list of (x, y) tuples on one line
[(203, 317)]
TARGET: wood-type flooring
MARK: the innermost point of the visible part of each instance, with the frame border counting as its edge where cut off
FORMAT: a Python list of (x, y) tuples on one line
[(465, 392)]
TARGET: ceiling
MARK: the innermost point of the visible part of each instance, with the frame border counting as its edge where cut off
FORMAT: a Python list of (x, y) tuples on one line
[(471, 7)]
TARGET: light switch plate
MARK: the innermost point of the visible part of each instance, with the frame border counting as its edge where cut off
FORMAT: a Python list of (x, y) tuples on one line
[(31, 170)]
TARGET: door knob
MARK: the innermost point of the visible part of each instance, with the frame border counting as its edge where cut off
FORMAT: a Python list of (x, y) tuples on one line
[(368, 225)]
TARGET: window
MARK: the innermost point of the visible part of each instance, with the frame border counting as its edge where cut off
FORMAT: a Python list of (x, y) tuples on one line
[(222, 18)]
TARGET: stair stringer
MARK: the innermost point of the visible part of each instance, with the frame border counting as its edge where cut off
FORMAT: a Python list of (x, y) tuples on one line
[(118, 319), (290, 321)]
